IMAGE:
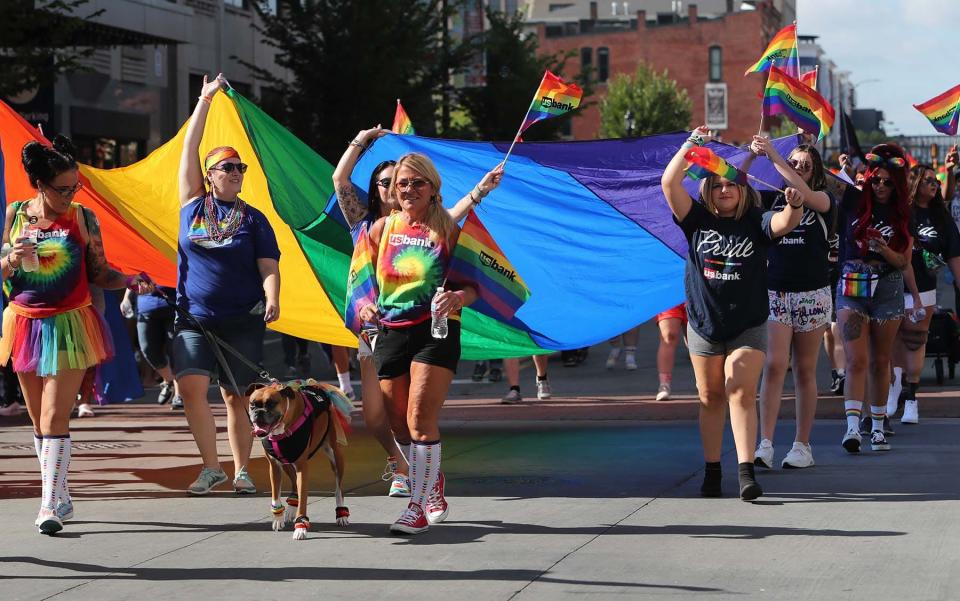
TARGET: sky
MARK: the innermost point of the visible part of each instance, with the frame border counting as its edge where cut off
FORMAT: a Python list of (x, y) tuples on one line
[(911, 46)]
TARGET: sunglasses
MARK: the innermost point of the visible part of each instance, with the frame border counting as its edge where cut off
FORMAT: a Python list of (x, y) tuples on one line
[(229, 167), (800, 166), (416, 184), (886, 181), (66, 191), (384, 182), (878, 161)]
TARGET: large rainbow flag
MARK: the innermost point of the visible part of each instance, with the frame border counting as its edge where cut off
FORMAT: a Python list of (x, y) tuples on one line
[(787, 96), (584, 222), (943, 111)]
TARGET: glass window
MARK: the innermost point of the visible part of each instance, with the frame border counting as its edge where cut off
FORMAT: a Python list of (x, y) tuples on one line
[(716, 63), (586, 60), (603, 64)]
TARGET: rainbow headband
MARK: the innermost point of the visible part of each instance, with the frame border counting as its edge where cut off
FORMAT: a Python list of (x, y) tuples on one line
[(213, 159)]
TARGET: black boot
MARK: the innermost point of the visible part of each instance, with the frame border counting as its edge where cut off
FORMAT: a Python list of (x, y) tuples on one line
[(749, 489), (711, 480)]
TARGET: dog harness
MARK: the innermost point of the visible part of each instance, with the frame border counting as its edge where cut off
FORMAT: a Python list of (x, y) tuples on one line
[(292, 443)]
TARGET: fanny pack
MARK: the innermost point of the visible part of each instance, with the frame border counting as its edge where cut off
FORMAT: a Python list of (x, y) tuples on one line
[(859, 280)]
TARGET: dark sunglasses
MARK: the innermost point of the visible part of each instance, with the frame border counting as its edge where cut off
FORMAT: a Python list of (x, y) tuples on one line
[(800, 166), (416, 184), (229, 167), (878, 161), (384, 182), (886, 181)]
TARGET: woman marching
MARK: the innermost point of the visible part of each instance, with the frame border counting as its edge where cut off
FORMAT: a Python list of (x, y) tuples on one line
[(801, 302), (727, 305), (876, 247), (412, 250), (937, 244), (51, 330), (381, 201), (229, 280)]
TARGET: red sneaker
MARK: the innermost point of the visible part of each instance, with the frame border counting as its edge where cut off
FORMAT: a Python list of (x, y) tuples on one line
[(411, 521), (437, 508)]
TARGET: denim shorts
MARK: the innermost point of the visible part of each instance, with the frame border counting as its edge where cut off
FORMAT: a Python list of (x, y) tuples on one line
[(886, 302), (753, 338), (192, 354), (155, 332)]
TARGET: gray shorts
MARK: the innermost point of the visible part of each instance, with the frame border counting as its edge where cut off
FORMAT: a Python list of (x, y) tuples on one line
[(192, 354), (753, 338), (886, 302)]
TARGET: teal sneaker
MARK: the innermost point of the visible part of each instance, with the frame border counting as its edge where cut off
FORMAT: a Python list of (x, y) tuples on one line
[(206, 481)]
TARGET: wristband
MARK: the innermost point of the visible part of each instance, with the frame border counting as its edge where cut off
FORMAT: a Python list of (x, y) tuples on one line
[(694, 139), (795, 206), (687, 145), (205, 99), (355, 142)]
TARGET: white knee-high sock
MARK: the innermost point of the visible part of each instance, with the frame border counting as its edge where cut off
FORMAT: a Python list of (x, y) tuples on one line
[(63, 494), (54, 462), (424, 468)]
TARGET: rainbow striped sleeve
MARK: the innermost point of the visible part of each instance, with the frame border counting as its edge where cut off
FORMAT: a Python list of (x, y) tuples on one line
[(554, 97), (942, 111), (787, 96), (781, 52)]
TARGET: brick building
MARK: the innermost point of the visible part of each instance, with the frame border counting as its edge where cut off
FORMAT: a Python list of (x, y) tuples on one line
[(700, 52)]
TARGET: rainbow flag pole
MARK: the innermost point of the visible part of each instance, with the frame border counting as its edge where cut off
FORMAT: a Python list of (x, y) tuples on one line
[(553, 98)]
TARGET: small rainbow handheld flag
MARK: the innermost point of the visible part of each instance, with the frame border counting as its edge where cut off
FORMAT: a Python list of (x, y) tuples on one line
[(361, 281), (943, 111), (401, 121), (810, 78), (703, 163), (787, 96), (781, 52), (477, 260), (554, 97)]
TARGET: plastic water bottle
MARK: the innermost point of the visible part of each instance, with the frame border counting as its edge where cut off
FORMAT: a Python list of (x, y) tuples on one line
[(918, 315), (438, 326), (31, 262)]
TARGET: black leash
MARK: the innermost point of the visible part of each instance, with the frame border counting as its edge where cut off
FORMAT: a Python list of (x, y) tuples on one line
[(216, 343)]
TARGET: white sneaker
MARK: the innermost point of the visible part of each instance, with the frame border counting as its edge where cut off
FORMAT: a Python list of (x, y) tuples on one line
[(543, 390), (663, 393), (764, 455), (630, 362), (612, 358), (800, 456), (893, 396), (85, 410), (911, 413), (852, 439)]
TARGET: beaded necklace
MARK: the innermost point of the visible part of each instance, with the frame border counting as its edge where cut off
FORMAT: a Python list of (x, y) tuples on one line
[(231, 222)]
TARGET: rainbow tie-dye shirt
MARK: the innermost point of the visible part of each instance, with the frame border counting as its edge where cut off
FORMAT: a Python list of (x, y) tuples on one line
[(60, 284), (410, 267)]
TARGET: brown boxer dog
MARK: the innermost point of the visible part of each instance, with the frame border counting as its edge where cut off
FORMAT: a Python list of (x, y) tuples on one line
[(293, 421)]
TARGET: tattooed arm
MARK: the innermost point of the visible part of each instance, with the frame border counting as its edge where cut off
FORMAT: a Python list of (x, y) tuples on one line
[(352, 209), (99, 271)]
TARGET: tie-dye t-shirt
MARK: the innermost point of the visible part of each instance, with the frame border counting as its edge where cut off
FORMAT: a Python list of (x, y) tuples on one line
[(221, 280), (60, 284), (410, 267)]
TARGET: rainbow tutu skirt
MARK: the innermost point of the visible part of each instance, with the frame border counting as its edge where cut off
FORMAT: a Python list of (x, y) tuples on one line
[(76, 339)]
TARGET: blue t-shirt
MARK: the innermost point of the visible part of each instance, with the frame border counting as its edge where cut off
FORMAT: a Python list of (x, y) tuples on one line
[(942, 240), (799, 261), (221, 280), (726, 274), (148, 303)]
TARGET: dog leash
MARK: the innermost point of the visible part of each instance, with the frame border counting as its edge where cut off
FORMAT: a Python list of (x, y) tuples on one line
[(215, 341)]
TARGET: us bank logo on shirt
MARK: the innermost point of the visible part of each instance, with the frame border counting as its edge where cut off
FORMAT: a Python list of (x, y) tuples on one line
[(57, 233), (405, 240), (720, 254)]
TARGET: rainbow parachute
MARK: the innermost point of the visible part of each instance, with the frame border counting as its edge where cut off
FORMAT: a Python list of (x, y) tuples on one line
[(584, 223)]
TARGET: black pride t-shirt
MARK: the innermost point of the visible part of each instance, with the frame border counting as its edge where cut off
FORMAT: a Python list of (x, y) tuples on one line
[(880, 219), (943, 240), (799, 261), (726, 274)]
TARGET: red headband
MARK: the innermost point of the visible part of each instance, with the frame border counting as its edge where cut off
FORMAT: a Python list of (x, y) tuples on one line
[(216, 157)]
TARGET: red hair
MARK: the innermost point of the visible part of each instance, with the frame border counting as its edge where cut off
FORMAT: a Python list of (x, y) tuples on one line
[(899, 200)]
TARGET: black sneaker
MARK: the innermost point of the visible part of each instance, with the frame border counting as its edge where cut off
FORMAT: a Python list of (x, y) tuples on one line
[(866, 425), (479, 371), (177, 404), (836, 387), (166, 393), (887, 428), (495, 374)]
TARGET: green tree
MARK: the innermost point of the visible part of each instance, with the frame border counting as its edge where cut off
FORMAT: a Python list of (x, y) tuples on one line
[(37, 42), (655, 100), (513, 71), (344, 64)]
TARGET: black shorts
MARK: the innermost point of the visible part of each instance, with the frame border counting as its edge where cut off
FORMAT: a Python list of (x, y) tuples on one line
[(396, 348)]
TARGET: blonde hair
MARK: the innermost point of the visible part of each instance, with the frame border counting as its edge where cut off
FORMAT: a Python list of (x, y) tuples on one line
[(748, 196), (438, 220)]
